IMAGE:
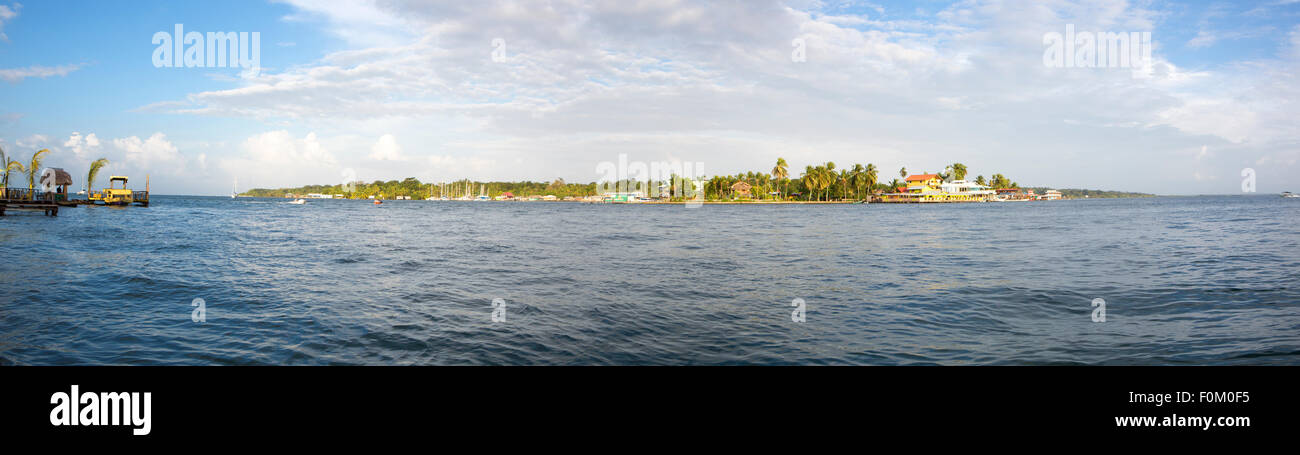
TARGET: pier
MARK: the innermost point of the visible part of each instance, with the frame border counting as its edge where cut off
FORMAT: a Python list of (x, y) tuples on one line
[(22, 199)]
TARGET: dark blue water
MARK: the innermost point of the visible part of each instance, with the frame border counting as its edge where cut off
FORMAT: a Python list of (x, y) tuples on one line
[(1187, 280)]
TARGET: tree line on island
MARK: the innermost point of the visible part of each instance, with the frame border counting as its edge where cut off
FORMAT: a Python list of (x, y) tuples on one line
[(824, 182)]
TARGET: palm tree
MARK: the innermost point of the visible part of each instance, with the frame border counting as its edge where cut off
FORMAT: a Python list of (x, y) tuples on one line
[(8, 165), (999, 181), (4, 172), (871, 175), (780, 172), (958, 171), (843, 181), (95, 166), (828, 178), (980, 180), (893, 186), (858, 176), (809, 179), (32, 169), (902, 172)]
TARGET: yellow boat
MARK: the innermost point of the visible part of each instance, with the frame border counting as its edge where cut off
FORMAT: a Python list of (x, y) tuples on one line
[(119, 196)]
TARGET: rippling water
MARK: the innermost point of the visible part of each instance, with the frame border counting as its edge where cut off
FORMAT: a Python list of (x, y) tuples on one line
[(1187, 280)]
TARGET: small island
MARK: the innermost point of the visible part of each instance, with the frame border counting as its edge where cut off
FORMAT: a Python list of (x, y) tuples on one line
[(825, 183)]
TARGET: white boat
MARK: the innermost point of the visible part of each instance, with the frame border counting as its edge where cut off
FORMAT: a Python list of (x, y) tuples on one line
[(298, 201), (1289, 194), (232, 188)]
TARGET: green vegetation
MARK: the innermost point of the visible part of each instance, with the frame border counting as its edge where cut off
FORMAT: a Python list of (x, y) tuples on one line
[(415, 189), (825, 182), (94, 171), (33, 168), (10, 166)]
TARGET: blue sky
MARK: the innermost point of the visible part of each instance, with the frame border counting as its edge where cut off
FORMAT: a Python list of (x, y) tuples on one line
[(409, 88)]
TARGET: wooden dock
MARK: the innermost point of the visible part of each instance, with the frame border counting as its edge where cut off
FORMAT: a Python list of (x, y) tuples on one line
[(22, 199), (49, 208)]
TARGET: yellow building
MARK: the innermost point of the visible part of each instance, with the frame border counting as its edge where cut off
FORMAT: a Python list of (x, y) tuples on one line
[(922, 183)]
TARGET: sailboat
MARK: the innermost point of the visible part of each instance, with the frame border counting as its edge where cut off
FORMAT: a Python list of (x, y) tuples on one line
[(232, 188)]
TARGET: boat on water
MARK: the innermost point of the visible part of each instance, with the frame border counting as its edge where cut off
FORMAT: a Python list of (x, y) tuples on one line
[(298, 201), (378, 202), (1289, 194), (120, 196)]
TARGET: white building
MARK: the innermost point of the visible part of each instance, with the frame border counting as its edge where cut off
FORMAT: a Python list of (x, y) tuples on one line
[(962, 187)]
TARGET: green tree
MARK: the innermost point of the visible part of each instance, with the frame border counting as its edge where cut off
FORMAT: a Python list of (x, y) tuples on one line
[(958, 171), (828, 179), (872, 177), (980, 180), (9, 166), (999, 181), (809, 180), (842, 180), (858, 177), (95, 166), (33, 168), (902, 173)]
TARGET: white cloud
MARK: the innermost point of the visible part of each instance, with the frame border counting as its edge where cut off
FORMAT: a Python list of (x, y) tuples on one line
[(16, 75), (83, 147), (386, 148), (277, 158), (7, 13), (34, 142), (1202, 39), (281, 148), (155, 154), (714, 82)]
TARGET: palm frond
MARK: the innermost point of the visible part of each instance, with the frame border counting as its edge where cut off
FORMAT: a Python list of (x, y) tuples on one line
[(95, 166), (33, 168)]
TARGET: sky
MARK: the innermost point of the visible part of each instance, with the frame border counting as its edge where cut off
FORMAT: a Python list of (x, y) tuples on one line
[(538, 90)]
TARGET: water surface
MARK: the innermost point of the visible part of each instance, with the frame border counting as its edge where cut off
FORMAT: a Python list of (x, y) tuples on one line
[(1187, 280)]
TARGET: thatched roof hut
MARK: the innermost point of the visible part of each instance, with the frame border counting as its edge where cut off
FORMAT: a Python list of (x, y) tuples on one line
[(61, 177)]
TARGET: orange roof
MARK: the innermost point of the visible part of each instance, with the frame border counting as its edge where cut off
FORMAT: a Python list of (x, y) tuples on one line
[(921, 177)]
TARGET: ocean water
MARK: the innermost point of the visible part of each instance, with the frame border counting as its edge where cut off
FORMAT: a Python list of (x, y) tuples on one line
[(1186, 280)]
